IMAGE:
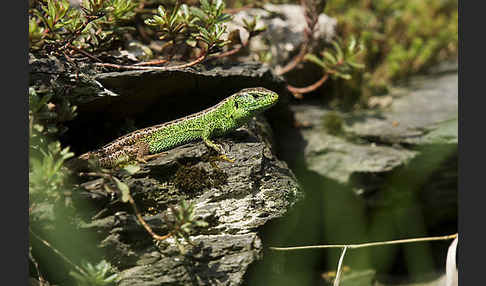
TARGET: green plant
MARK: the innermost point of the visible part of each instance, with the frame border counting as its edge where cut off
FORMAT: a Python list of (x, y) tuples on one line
[(184, 223), (401, 37), (193, 24), (48, 110), (340, 63), (47, 177), (54, 24), (337, 63), (94, 275)]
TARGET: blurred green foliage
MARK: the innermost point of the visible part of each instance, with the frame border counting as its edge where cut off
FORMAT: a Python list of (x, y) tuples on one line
[(47, 178), (333, 123), (339, 62), (94, 275), (401, 37)]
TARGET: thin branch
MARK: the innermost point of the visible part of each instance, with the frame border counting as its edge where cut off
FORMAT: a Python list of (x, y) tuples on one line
[(340, 266), (84, 53), (311, 15), (151, 63), (144, 224), (41, 279), (230, 52), (133, 204), (296, 60), (369, 244), (310, 88), (201, 58)]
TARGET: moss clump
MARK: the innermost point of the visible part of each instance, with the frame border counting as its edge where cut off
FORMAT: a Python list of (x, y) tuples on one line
[(195, 179), (333, 123)]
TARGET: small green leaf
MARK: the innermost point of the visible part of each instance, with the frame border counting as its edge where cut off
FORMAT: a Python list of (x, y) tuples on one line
[(124, 189), (344, 76), (161, 11), (339, 51), (330, 57), (356, 65), (198, 13), (312, 58), (352, 44)]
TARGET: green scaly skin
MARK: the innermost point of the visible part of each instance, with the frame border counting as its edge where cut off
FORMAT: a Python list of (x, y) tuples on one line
[(216, 121)]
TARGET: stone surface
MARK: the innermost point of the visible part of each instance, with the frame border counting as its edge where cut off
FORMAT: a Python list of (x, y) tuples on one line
[(236, 199), (336, 157), (423, 113), (258, 188)]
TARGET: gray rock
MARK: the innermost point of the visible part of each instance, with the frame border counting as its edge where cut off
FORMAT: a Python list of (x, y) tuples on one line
[(423, 113), (258, 188), (145, 91), (338, 158)]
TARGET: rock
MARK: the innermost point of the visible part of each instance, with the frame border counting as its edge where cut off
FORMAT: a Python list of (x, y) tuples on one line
[(128, 100), (423, 113), (336, 157), (255, 189), (236, 199)]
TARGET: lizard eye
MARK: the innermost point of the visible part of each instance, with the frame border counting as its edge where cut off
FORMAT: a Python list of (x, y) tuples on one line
[(236, 104)]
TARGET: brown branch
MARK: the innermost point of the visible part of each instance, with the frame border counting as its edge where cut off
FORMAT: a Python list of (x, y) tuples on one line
[(295, 61), (199, 59), (156, 62), (133, 204), (311, 20), (84, 53), (310, 88), (144, 224), (229, 53)]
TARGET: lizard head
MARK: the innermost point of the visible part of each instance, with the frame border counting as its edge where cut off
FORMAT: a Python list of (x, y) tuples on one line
[(250, 101)]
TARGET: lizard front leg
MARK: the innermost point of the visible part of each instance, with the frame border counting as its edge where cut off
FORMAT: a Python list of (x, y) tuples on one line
[(211, 144)]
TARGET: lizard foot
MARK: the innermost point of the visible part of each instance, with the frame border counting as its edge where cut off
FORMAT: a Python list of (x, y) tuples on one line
[(223, 157)]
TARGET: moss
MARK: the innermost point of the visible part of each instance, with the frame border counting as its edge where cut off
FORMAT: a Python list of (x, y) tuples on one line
[(194, 179), (333, 123)]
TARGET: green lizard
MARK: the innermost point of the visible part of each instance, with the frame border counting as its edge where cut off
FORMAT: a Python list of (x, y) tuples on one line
[(222, 118)]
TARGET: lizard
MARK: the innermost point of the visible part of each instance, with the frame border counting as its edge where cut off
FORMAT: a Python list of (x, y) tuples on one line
[(216, 121)]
